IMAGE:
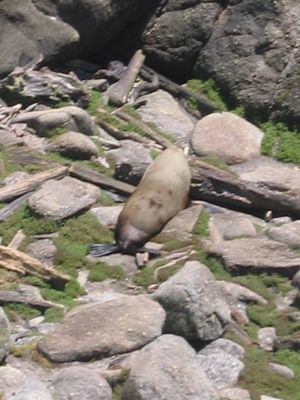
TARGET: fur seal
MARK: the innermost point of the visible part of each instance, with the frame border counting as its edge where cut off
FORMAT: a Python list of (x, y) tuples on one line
[(160, 195)]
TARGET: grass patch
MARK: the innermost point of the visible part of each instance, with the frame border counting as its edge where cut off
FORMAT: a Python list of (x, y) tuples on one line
[(54, 315), (15, 310), (202, 225), (280, 142), (208, 89), (101, 271)]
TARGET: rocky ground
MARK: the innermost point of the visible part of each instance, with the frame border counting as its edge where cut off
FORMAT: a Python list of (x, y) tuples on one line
[(215, 316)]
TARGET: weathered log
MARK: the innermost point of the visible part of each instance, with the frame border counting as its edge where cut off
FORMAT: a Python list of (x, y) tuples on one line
[(178, 91), (32, 182), (16, 241), (146, 128), (101, 180), (9, 296), (118, 92), (220, 187), (8, 210), (17, 261)]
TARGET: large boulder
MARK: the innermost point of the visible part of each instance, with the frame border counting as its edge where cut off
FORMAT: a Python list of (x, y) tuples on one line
[(194, 304), (167, 369), (62, 29)]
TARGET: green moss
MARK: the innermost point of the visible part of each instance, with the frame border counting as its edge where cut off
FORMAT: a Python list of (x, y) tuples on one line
[(117, 391), (105, 199), (20, 350), (34, 281), (54, 314), (208, 89), (202, 225), (22, 310), (101, 271), (144, 278), (53, 133), (58, 296), (280, 142), (29, 223), (216, 162)]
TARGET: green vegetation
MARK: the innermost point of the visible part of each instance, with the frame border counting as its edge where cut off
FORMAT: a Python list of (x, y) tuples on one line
[(101, 271), (208, 89), (24, 311), (280, 142), (54, 315), (201, 228)]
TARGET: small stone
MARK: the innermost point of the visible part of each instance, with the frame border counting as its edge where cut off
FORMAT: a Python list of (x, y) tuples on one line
[(266, 338), (282, 370)]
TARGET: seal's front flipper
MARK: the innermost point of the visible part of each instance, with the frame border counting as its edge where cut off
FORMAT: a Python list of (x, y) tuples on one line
[(102, 249)]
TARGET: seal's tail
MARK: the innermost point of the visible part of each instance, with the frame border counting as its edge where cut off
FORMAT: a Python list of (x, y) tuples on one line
[(99, 250)]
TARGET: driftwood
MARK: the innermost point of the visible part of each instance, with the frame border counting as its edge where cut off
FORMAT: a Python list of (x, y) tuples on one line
[(220, 187), (146, 128), (101, 180), (9, 296), (16, 241), (8, 210), (17, 261), (117, 94), (120, 135), (178, 91), (32, 182)]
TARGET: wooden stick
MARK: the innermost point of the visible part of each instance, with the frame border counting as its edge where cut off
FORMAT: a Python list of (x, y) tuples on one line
[(32, 182), (17, 240), (146, 128), (15, 260), (120, 135), (118, 93), (8, 210), (101, 180)]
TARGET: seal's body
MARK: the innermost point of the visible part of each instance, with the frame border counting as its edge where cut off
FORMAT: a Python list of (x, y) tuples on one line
[(160, 195)]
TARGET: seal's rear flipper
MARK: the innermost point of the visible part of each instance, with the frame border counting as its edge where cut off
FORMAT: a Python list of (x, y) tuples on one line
[(99, 250)]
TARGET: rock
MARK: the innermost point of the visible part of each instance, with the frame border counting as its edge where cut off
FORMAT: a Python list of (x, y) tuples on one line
[(194, 304), (241, 293), (288, 233), (15, 177), (80, 383), (164, 111), (181, 226), (5, 331), (9, 138), (221, 367), (167, 369), (234, 394), (44, 250), (227, 136), (296, 280), (132, 158), (59, 199), (265, 170), (74, 145), (282, 370), (32, 390), (173, 39), (89, 331), (107, 216), (70, 117), (10, 379), (258, 255), (269, 398), (228, 346), (232, 225), (267, 338)]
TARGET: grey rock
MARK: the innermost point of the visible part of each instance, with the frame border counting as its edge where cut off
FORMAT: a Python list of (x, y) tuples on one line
[(80, 383), (59, 199), (282, 370), (288, 233), (269, 398), (107, 216), (32, 390), (233, 225), (74, 145), (267, 338), (164, 111), (258, 254), (227, 136), (10, 379), (5, 331), (70, 117), (89, 331), (9, 138), (241, 293), (167, 369), (221, 367), (132, 158), (181, 226), (296, 280), (44, 250), (194, 304), (230, 347), (234, 394)]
